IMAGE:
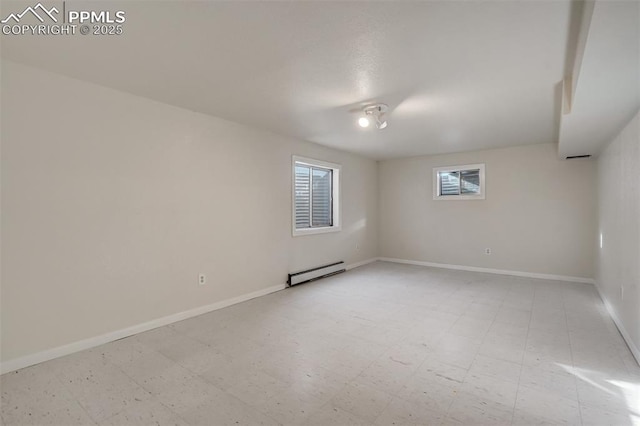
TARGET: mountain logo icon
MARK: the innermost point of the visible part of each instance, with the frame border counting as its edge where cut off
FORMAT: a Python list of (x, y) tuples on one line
[(38, 11)]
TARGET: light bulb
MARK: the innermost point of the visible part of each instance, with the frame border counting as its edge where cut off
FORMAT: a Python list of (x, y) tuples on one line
[(382, 125), (363, 122)]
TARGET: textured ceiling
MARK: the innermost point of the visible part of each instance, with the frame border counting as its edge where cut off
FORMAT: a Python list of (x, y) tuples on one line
[(456, 75)]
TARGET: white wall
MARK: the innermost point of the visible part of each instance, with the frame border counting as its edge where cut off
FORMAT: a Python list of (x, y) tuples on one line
[(538, 215), (112, 204), (618, 261)]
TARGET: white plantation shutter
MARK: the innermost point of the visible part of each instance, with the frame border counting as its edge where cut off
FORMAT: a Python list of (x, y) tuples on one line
[(313, 196), (459, 182), (449, 183), (303, 196), (321, 197), (315, 199)]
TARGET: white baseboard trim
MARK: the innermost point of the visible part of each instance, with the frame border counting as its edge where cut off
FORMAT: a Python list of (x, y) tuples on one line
[(491, 271), (359, 264), (623, 331), (49, 354)]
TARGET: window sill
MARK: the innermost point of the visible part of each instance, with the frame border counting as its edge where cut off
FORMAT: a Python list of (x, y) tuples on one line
[(458, 197), (313, 231)]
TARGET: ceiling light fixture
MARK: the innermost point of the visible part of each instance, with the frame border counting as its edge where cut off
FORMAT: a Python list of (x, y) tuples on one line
[(375, 112)]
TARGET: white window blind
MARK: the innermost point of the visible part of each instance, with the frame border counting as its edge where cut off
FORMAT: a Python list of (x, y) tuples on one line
[(303, 196), (313, 196), (316, 196), (459, 182)]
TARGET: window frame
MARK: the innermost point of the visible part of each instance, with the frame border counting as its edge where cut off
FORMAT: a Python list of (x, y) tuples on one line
[(335, 196), (460, 197)]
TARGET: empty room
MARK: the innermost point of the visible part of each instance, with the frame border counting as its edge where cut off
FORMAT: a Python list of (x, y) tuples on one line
[(320, 212)]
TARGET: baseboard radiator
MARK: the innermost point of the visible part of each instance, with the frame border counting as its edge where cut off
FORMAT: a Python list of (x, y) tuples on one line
[(315, 273)]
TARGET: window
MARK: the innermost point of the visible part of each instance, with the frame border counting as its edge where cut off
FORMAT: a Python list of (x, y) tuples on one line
[(316, 186), (459, 182)]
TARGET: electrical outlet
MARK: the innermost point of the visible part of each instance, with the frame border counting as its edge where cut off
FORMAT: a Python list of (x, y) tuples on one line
[(202, 279), (487, 251)]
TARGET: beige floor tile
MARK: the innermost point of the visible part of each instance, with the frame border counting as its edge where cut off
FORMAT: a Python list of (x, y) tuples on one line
[(471, 409), (329, 414), (384, 344), (400, 412), (364, 401), (548, 406), (492, 388), (146, 413), (291, 407)]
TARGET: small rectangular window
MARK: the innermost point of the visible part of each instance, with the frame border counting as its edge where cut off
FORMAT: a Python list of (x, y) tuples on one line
[(459, 182), (315, 196)]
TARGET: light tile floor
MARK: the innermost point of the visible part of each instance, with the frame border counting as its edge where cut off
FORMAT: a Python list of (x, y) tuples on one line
[(384, 344)]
